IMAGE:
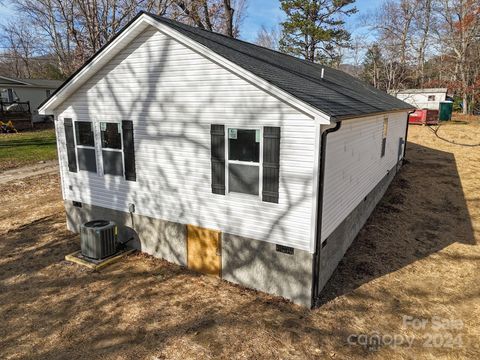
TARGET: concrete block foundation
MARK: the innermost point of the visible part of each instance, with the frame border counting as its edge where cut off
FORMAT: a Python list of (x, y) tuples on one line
[(342, 237), (258, 265), (159, 238), (248, 262)]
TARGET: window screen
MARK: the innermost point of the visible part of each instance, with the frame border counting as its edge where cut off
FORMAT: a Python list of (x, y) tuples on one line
[(112, 154), (244, 161), (244, 145), (112, 162), (111, 136), (243, 179), (87, 160), (84, 133)]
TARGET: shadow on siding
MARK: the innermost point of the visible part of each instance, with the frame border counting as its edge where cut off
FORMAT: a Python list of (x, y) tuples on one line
[(153, 109)]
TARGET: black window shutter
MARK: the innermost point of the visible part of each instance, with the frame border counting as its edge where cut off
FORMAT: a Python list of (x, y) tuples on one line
[(217, 133), (70, 142), (128, 150), (271, 164), (384, 146)]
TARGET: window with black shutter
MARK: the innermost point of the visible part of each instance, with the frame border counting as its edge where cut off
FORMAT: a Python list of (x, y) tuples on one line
[(112, 153), (271, 164), (85, 141), (128, 150), (384, 136), (217, 144), (238, 165), (244, 161), (70, 142)]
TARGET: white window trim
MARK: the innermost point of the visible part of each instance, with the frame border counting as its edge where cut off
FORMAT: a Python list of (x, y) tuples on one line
[(85, 146), (248, 163), (119, 123)]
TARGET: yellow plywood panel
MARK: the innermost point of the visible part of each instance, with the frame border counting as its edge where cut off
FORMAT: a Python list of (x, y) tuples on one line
[(204, 250)]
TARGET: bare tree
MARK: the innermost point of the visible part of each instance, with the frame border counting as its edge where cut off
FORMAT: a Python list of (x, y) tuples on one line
[(393, 25), (404, 30), (21, 43), (354, 56), (73, 30), (459, 33), (268, 38), (223, 16), (228, 15), (420, 39)]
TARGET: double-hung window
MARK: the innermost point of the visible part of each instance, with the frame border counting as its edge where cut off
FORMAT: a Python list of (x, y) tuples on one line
[(112, 153), (243, 161), (85, 142)]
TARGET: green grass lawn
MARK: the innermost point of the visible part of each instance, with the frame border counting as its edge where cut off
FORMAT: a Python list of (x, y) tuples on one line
[(27, 148)]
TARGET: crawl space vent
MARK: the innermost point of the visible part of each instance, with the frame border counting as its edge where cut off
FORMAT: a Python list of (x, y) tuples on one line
[(285, 249)]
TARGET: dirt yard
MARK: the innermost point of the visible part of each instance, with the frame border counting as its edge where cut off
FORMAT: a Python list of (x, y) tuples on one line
[(412, 278)]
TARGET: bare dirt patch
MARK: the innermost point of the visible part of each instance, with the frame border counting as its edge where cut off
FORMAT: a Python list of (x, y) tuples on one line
[(418, 256)]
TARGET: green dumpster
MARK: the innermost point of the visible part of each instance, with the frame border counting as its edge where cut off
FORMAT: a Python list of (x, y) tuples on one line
[(446, 108)]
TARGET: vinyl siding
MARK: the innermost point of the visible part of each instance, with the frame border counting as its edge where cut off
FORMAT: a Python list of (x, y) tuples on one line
[(173, 95), (35, 95), (354, 166)]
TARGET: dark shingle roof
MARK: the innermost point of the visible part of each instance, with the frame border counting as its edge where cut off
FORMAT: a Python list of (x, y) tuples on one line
[(42, 83), (338, 94)]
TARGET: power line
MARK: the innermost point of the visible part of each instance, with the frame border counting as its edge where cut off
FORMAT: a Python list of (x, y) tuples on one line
[(435, 131)]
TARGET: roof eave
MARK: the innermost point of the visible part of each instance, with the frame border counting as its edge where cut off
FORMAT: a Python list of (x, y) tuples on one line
[(360, 116), (19, 82)]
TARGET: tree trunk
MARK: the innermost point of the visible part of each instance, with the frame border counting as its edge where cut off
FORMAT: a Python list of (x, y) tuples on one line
[(228, 17), (208, 23)]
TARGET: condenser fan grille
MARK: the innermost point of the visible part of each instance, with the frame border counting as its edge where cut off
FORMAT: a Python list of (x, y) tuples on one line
[(98, 239)]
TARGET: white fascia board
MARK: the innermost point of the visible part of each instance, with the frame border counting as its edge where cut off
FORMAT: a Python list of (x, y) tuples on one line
[(255, 80), (96, 64)]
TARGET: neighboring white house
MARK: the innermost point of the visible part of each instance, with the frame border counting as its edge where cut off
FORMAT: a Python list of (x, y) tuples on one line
[(423, 98), (35, 91), (223, 156)]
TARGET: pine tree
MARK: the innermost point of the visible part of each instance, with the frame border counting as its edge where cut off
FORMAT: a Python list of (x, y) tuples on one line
[(314, 29), (372, 66)]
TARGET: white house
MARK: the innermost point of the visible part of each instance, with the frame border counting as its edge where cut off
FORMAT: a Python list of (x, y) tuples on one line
[(223, 156), (15, 93), (423, 98)]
